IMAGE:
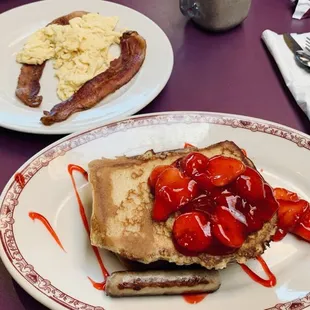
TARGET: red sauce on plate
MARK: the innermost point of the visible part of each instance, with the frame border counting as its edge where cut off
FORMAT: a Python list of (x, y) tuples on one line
[(97, 285), (45, 222), (270, 282), (194, 298), (105, 273)]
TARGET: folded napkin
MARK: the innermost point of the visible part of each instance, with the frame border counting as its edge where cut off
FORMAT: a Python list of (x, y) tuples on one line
[(296, 78), (302, 9)]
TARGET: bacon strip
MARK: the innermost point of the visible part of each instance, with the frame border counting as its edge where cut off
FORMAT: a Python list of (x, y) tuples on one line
[(28, 85), (120, 72)]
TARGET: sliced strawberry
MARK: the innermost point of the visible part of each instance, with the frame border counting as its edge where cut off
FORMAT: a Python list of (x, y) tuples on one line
[(192, 232), (228, 200), (187, 145), (177, 163), (256, 211), (223, 170), (155, 174), (253, 215), (250, 186), (262, 211), (302, 229), (271, 201), (204, 182), (161, 210), (194, 163), (219, 249), (172, 190), (228, 228), (290, 212), (202, 203), (284, 194), (279, 235)]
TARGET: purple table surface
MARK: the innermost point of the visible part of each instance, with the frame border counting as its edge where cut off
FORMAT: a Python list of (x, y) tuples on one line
[(230, 72)]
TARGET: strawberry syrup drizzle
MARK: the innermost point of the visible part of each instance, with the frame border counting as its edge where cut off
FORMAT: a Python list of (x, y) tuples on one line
[(45, 222), (270, 282), (20, 179), (105, 273), (194, 298)]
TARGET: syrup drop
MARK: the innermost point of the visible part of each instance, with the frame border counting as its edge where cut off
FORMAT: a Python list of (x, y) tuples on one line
[(194, 298)]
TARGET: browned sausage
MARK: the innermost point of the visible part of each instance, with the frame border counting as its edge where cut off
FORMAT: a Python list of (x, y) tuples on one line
[(159, 282)]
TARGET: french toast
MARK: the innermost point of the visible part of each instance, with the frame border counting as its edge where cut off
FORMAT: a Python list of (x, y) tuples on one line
[(122, 204)]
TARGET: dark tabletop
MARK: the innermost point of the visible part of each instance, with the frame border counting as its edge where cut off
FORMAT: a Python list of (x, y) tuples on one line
[(230, 72)]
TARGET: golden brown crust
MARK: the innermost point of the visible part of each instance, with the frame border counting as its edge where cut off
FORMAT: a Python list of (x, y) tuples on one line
[(121, 217)]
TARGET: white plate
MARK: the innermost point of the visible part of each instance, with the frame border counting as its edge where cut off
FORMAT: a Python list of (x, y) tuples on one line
[(59, 280), (132, 97)]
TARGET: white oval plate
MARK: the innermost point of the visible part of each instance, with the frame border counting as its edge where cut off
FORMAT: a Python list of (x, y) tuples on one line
[(59, 280), (132, 97)]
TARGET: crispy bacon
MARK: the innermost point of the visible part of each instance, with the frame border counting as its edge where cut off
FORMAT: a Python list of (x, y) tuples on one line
[(28, 85), (120, 72)]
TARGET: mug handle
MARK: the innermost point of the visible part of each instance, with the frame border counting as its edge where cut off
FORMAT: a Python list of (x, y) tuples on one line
[(190, 8)]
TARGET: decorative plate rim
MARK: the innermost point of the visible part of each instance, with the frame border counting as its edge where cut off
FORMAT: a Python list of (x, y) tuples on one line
[(13, 259)]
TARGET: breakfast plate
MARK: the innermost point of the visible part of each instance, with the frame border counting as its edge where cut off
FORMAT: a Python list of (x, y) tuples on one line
[(56, 269), (129, 99)]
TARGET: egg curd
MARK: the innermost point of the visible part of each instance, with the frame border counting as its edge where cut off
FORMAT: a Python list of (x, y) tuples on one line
[(80, 50)]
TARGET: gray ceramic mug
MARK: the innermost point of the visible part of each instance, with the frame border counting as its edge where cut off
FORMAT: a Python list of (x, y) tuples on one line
[(216, 15)]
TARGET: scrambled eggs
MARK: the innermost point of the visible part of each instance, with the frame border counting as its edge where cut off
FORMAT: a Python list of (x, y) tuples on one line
[(80, 50)]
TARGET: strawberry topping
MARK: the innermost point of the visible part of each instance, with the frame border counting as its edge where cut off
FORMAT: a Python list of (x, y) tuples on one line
[(202, 203), (302, 229), (192, 232), (155, 174), (194, 163), (223, 170), (229, 226), (284, 194), (250, 185), (220, 202), (204, 181), (290, 212), (172, 190), (292, 215)]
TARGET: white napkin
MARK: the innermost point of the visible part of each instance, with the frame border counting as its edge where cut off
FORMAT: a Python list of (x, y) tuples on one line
[(302, 9), (296, 78)]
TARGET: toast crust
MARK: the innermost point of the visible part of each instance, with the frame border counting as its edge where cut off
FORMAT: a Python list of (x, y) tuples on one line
[(122, 203)]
